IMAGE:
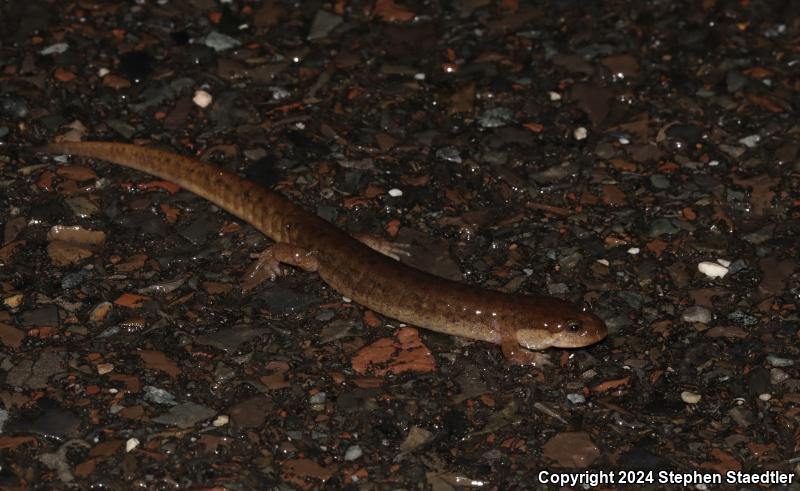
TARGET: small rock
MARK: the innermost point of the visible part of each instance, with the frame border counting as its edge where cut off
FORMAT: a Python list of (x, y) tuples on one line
[(697, 314), (660, 181), (220, 42), (317, 398), (157, 395), (690, 397), (750, 141), (777, 375), (55, 49), (131, 444), (352, 453), (324, 22), (661, 226), (185, 415), (449, 154), (712, 270), (495, 117), (576, 398), (776, 361), (202, 98)]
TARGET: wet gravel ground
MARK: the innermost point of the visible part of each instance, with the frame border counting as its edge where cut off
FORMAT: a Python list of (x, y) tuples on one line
[(639, 157)]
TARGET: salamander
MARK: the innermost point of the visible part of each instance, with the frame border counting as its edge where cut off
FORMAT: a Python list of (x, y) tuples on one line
[(518, 323)]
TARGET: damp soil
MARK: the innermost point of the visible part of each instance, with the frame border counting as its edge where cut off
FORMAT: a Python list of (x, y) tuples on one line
[(638, 158)]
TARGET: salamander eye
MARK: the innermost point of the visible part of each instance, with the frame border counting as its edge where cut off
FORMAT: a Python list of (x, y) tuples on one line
[(574, 326)]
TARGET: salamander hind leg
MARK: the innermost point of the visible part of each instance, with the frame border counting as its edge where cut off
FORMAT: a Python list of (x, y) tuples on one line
[(517, 355), (268, 264)]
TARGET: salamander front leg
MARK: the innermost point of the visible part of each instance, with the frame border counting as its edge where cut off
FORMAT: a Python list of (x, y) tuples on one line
[(386, 247), (517, 355), (268, 264)]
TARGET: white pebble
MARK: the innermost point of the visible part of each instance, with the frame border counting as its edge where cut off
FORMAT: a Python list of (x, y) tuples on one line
[(103, 72), (55, 49), (394, 192), (352, 453), (220, 420), (713, 163), (690, 397), (634, 250), (765, 397), (202, 98), (580, 133), (712, 270), (554, 96), (604, 262), (104, 368), (131, 444), (623, 141), (279, 93), (750, 141), (576, 398)]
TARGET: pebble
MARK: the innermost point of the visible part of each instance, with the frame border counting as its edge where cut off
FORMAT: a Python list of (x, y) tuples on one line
[(450, 154), (72, 280), (279, 93), (352, 453), (580, 133), (777, 375), (661, 226), (660, 181), (16, 107), (750, 141), (697, 314), (220, 42), (712, 270), (202, 98), (185, 415), (690, 397), (634, 250), (220, 420), (395, 193), (55, 49), (13, 301), (158, 396), (576, 398), (495, 117), (777, 361), (317, 398), (324, 22), (131, 444)]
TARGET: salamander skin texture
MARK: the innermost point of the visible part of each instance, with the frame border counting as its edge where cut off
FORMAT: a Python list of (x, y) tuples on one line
[(516, 322)]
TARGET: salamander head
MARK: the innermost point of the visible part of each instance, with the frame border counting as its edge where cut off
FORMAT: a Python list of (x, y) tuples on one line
[(562, 325)]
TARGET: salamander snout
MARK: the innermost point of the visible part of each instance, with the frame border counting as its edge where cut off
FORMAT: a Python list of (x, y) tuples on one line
[(560, 325), (580, 329)]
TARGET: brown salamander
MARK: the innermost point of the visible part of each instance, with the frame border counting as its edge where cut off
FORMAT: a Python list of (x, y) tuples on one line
[(518, 323)]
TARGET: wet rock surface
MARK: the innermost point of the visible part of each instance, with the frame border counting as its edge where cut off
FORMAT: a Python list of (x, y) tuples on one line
[(641, 158)]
